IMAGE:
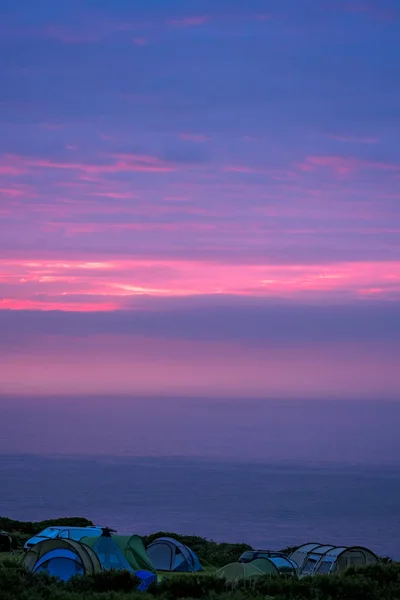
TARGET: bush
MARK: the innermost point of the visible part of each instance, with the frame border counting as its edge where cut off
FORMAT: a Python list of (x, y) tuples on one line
[(188, 586), (107, 581), (30, 528)]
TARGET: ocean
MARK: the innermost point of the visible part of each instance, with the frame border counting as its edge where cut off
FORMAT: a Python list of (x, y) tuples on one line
[(268, 505)]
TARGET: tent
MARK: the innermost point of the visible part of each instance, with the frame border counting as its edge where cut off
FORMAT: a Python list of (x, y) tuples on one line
[(276, 565), (168, 554), (320, 559), (62, 559), (259, 567), (238, 571), (250, 555), (146, 578), (120, 552), (5, 542)]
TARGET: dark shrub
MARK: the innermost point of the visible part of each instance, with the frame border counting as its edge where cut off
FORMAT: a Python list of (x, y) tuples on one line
[(188, 586), (107, 581)]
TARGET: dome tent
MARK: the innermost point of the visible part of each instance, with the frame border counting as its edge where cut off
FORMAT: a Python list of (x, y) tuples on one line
[(319, 559), (167, 554), (120, 552), (62, 558)]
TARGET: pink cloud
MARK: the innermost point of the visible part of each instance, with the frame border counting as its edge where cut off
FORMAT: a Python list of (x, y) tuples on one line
[(70, 36), (193, 21), (244, 169), (121, 163), (140, 41), (51, 126), (88, 31), (115, 195), (12, 192), (48, 283), (276, 174), (250, 138), (263, 17), (373, 8), (343, 165), (194, 137), (11, 169), (354, 139), (57, 304)]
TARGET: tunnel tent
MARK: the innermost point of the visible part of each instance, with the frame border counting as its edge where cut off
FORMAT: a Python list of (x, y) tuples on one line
[(120, 552), (239, 571), (319, 559), (343, 558), (168, 554), (62, 558), (300, 554)]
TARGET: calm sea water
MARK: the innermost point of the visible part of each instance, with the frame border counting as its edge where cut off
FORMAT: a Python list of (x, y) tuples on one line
[(266, 505)]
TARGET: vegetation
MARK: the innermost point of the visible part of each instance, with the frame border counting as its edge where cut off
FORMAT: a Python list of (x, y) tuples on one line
[(378, 582), (31, 527), (21, 531)]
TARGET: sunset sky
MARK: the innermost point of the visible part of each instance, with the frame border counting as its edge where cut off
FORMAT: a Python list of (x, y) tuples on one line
[(200, 198)]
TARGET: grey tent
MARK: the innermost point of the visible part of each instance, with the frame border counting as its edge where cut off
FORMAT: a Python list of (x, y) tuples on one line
[(320, 559)]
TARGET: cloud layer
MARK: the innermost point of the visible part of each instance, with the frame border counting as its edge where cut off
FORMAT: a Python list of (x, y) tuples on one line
[(201, 183)]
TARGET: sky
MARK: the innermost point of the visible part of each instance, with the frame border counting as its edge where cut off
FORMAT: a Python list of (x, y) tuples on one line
[(199, 199)]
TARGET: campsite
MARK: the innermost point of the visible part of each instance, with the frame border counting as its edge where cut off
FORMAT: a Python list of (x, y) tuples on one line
[(168, 566)]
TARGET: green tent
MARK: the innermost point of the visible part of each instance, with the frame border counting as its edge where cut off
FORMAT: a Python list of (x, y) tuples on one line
[(276, 565), (237, 571), (120, 552)]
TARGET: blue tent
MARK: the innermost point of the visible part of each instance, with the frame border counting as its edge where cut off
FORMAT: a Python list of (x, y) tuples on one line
[(62, 558), (168, 554), (63, 564)]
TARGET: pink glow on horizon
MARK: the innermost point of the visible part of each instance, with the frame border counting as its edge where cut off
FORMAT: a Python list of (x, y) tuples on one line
[(120, 364)]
